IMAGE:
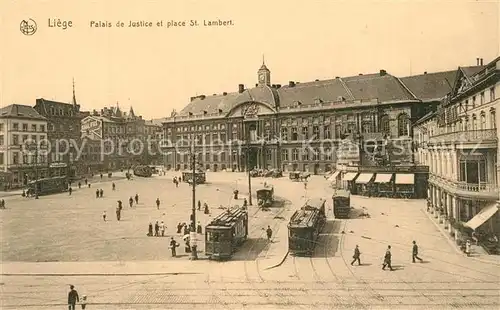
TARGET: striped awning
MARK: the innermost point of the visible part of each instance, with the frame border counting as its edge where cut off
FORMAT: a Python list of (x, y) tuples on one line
[(334, 176), (349, 176), (383, 178), (405, 178), (364, 178)]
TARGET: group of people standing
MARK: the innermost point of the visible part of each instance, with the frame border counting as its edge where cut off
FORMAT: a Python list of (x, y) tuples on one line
[(159, 229), (387, 261)]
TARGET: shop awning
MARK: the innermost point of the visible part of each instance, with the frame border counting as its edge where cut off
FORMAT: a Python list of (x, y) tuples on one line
[(333, 176), (350, 176), (405, 178), (485, 214), (364, 178), (383, 178)]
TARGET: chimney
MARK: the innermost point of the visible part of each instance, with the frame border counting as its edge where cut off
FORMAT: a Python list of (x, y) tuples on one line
[(291, 84), (202, 97), (224, 94), (220, 111), (337, 77), (192, 98), (241, 88), (425, 72), (477, 61), (316, 80), (190, 113), (481, 60), (256, 84), (205, 112), (383, 72), (278, 85)]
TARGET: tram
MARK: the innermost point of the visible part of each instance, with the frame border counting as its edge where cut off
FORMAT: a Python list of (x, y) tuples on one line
[(225, 233), (341, 204), (48, 186), (200, 177), (304, 227)]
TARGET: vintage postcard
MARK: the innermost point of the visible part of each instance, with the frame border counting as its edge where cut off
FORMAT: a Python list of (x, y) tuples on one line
[(249, 154)]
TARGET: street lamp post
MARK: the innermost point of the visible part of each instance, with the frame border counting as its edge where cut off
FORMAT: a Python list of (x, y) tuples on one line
[(247, 134)]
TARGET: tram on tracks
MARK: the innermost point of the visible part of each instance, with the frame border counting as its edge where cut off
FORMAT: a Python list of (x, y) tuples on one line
[(143, 171), (225, 233), (48, 186), (305, 226), (341, 204), (199, 176)]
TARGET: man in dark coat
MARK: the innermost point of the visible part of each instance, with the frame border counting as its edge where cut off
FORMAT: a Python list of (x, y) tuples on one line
[(150, 230), (269, 233), (173, 245), (158, 203), (96, 193), (199, 205), (387, 259), (157, 229), (415, 252), (136, 198), (101, 193), (356, 256), (72, 298)]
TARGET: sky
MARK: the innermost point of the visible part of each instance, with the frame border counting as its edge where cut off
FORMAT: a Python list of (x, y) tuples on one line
[(157, 69)]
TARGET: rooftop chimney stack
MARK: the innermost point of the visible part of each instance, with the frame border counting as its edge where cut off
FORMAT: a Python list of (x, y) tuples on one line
[(477, 61), (291, 84), (481, 61), (241, 88), (383, 72)]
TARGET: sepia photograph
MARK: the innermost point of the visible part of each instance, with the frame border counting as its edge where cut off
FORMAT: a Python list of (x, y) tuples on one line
[(253, 155)]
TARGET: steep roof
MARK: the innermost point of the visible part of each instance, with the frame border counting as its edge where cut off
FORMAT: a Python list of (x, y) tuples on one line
[(20, 111), (470, 71), (380, 86), (430, 85)]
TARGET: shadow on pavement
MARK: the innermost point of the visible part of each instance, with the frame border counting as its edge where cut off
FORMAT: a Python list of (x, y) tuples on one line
[(251, 249), (358, 213), (328, 241)]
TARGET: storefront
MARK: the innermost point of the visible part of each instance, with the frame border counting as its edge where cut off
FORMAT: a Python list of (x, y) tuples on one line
[(405, 185), (348, 181), (58, 169), (334, 179), (363, 183), (384, 184)]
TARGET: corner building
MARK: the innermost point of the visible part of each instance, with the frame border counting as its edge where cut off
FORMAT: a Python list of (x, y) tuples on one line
[(459, 143), (298, 126)]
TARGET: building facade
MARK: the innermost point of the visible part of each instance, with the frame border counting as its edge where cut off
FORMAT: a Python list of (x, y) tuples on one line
[(301, 126), (64, 135), (23, 146), (459, 143), (121, 138)]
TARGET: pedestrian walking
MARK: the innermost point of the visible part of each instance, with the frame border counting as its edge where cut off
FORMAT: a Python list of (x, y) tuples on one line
[(136, 199), (356, 256), (101, 176), (245, 202), (179, 227), (173, 246), (72, 298), (162, 229), (158, 203), (467, 247), (96, 193), (415, 252), (199, 205), (113, 185), (104, 216), (101, 193), (89, 185), (79, 184), (86, 181), (157, 229), (206, 211), (199, 228), (70, 190), (269, 233), (387, 259)]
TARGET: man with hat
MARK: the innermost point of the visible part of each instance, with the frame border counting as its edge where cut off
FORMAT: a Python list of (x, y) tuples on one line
[(72, 298)]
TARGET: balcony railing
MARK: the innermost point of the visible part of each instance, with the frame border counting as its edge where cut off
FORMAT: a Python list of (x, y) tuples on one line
[(471, 136), (482, 187)]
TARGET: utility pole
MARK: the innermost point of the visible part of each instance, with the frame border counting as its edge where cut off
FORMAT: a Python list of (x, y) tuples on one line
[(192, 237), (36, 171), (248, 166)]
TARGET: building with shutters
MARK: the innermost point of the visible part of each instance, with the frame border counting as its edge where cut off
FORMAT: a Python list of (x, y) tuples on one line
[(459, 143), (23, 146)]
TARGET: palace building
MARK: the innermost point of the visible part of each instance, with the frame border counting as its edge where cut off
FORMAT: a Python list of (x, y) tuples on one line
[(459, 143), (301, 126)]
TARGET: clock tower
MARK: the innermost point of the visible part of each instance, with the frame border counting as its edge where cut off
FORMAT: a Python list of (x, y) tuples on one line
[(264, 75)]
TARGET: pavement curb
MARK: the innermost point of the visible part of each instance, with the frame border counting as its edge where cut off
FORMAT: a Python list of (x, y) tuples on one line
[(453, 244), (279, 263), (62, 274)]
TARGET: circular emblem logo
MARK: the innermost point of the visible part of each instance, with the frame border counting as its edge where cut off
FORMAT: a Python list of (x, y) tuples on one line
[(28, 27)]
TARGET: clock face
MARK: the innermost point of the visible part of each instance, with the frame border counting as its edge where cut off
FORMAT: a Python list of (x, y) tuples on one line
[(262, 77)]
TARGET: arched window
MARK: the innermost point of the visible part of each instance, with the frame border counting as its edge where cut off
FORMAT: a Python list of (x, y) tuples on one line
[(493, 119), (483, 121), (384, 124), (474, 122), (403, 124)]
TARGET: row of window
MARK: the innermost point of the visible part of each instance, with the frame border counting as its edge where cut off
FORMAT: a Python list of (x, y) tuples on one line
[(24, 138), (24, 127), (297, 155), (472, 102), (19, 158)]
